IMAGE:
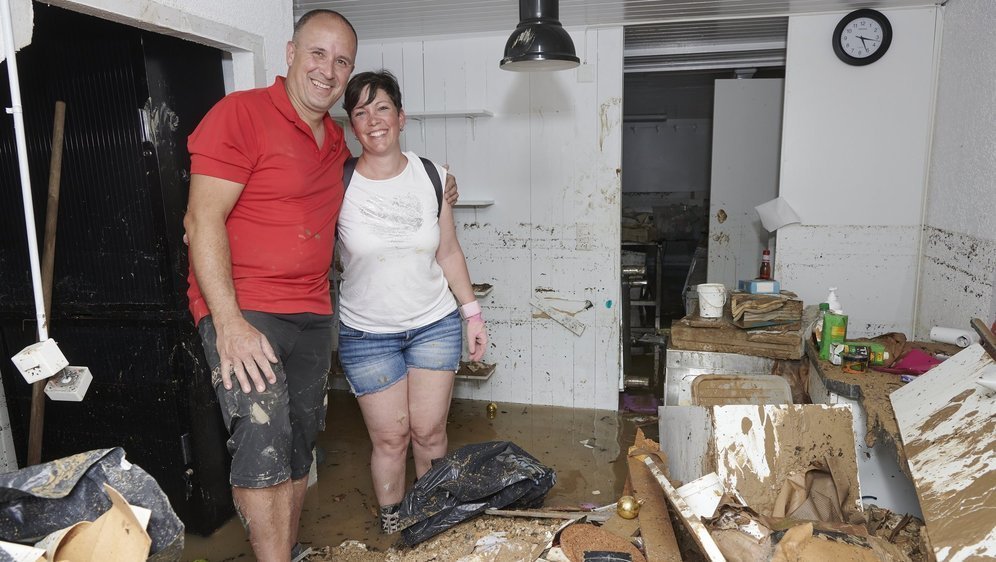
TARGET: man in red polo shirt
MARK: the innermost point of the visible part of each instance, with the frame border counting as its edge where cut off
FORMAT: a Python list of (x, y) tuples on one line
[(265, 193)]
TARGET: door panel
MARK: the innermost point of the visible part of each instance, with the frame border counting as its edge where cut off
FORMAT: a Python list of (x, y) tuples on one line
[(746, 148)]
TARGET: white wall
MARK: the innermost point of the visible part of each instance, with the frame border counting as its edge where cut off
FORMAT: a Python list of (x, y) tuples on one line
[(550, 159), (958, 272), (854, 158)]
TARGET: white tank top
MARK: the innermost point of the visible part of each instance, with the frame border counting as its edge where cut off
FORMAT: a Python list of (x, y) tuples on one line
[(388, 234)]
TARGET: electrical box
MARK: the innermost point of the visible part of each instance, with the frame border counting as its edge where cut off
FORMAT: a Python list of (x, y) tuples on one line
[(40, 361), (70, 385)]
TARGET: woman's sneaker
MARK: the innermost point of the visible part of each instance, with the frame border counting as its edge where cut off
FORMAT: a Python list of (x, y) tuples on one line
[(390, 519), (300, 552)]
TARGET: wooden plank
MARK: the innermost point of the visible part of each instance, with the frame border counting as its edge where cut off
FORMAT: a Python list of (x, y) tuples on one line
[(947, 419), (538, 514), (475, 370), (779, 342), (692, 522), (655, 524)]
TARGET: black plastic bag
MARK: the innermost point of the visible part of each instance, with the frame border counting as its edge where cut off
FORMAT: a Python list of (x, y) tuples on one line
[(41, 499), (464, 483)]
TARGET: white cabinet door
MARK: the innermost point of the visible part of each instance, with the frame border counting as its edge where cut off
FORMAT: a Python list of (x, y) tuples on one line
[(746, 148)]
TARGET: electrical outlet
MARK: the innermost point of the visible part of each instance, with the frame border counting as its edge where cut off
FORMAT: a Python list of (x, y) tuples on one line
[(40, 361), (70, 385)]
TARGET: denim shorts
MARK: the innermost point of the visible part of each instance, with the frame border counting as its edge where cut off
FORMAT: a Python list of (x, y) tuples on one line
[(373, 362), (273, 432)]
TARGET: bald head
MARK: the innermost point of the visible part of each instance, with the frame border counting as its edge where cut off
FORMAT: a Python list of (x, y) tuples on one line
[(308, 16)]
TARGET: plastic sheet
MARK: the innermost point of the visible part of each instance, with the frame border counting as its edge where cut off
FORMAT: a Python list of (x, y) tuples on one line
[(464, 483), (41, 499)]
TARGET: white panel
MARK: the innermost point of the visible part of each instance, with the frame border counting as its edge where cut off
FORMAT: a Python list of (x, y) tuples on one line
[(686, 433), (553, 366), (854, 147), (958, 280), (8, 456), (746, 135), (369, 58), (413, 75), (873, 268), (947, 419), (549, 158), (855, 138), (958, 275)]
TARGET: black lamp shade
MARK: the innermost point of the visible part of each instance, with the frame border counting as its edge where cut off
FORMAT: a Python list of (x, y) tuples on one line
[(539, 42)]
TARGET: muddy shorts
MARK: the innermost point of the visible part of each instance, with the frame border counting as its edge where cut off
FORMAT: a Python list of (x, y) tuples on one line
[(273, 432)]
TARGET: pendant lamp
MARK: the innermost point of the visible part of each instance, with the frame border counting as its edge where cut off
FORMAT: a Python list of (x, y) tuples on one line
[(539, 42)]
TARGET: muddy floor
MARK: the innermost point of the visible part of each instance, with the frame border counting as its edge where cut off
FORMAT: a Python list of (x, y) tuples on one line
[(585, 447)]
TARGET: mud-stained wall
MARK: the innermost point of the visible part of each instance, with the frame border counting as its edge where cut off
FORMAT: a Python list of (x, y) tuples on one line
[(957, 279), (959, 266), (549, 159), (855, 144)]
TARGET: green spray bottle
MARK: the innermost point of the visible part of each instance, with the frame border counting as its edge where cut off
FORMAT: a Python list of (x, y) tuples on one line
[(834, 325)]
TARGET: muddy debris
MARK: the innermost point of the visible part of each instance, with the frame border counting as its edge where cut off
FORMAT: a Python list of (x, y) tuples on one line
[(518, 538)]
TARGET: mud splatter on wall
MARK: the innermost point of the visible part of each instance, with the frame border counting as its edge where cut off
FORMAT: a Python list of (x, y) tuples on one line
[(549, 158)]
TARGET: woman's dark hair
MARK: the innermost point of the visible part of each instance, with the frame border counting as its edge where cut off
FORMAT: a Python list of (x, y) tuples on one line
[(381, 80)]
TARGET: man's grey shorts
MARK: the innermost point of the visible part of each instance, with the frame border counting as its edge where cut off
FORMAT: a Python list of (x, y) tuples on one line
[(273, 432)]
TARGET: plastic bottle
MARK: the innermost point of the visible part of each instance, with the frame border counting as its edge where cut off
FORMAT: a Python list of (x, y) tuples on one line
[(818, 326), (765, 271), (834, 302), (834, 331)]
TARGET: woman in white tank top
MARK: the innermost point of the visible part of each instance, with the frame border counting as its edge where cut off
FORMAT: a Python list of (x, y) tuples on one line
[(404, 280)]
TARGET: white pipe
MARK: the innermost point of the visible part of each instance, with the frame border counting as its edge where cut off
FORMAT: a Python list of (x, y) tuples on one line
[(22, 159)]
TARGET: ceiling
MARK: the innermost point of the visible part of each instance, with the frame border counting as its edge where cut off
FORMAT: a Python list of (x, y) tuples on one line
[(392, 19)]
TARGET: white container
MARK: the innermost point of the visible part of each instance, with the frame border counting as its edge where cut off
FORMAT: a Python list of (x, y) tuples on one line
[(712, 297)]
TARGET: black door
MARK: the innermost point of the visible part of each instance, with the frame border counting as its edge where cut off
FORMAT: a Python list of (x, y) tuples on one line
[(118, 304)]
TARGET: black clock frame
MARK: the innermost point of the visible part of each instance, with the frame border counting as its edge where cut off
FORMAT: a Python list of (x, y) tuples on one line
[(880, 18)]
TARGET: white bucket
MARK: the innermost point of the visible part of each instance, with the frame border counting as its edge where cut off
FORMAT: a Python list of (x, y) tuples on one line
[(712, 297)]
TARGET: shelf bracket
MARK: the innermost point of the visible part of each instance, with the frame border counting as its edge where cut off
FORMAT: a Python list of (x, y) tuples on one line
[(473, 127)]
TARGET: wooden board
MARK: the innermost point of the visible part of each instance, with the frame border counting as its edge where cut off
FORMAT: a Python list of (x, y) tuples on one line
[(691, 521), (475, 371), (948, 420), (778, 342), (749, 310), (655, 524)]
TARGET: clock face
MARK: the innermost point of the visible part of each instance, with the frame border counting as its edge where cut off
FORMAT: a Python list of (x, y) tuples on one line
[(861, 38)]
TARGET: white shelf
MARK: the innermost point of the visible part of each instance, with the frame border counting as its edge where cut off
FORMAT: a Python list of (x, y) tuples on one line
[(469, 113), (474, 203)]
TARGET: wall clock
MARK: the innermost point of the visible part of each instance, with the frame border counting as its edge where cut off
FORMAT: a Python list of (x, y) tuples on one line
[(862, 37)]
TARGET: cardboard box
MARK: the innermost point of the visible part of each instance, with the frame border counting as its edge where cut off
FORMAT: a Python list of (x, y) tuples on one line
[(759, 286), (118, 534)]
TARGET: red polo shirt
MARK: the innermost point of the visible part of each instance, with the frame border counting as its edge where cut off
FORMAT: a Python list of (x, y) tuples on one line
[(282, 229)]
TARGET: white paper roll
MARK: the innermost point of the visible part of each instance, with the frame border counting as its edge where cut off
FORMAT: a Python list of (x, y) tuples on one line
[(961, 338)]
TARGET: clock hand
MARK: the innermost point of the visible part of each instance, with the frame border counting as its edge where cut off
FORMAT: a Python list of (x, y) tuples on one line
[(863, 39)]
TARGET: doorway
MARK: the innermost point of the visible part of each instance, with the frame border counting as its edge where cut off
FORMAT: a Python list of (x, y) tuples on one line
[(669, 172), (118, 299)]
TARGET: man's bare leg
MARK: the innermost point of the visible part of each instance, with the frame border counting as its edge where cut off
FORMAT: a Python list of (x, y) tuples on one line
[(265, 512), (300, 489)]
